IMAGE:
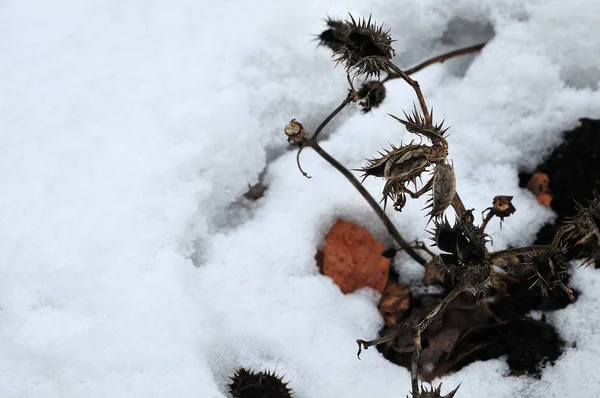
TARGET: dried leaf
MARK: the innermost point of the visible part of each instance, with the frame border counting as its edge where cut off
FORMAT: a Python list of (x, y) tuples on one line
[(394, 302), (352, 258), (539, 186)]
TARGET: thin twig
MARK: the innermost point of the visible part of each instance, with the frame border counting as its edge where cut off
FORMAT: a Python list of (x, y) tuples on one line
[(486, 220), (440, 58), (303, 145), (333, 114), (397, 331), (315, 135)]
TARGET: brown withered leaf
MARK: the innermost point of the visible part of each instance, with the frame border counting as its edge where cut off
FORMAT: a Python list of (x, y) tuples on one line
[(395, 300), (352, 258), (539, 186)]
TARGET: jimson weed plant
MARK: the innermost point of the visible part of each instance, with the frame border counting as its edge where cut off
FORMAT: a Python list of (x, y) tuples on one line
[(365, 50)]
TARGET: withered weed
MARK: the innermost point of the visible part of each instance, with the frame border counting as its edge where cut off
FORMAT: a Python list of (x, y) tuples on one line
[(365, 50)]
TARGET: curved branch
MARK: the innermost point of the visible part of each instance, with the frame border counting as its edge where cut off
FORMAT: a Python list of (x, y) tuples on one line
[(440, 58)]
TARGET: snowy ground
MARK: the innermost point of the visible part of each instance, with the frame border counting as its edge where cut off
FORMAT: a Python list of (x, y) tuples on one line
[(129, 130)]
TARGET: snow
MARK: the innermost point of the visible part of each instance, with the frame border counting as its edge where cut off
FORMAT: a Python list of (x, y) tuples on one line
[(130, 266)]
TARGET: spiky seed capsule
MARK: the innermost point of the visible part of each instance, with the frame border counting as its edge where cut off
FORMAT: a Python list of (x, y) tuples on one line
[(367, 50), (444, 236), (548, 269), (336, 36), (373, 92), (416, 123), (248, 384), (399, 166), (434, 393), (295, 131), (443, 190), (583, 230)]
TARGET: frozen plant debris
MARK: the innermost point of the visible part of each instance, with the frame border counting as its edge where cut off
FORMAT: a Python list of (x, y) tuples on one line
[(465, 266), (249, 384)]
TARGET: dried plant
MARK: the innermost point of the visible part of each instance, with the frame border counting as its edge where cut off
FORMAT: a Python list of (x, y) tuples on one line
[(249, 384), (465, 261)]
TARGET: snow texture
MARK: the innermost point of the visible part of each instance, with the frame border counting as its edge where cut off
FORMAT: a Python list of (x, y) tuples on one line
[(131, 265)]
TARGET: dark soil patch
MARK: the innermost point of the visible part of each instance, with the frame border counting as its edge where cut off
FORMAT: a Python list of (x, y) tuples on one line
[(469, 331), (573, 169)]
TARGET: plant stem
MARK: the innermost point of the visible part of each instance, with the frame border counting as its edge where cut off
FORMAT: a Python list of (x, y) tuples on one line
[(415, 85), (424, 324), (440, 58), (333, 114), (486, 220)]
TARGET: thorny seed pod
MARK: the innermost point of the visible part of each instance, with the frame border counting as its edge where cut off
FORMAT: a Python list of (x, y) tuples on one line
[(549, 269), (392, 159), (443, 190), (405, 164), (464, 259), (583, 231), (248, 384), (336, 36), (445, 236), (367, 50), (417, 124), (434, 393), (398, 166), (373, 92), (295, 131)]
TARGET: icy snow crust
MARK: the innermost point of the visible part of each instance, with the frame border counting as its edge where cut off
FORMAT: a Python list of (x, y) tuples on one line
[(130, 267)]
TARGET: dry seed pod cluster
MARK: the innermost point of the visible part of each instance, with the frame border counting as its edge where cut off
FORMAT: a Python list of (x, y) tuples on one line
[(365, 49), (403, 165)]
